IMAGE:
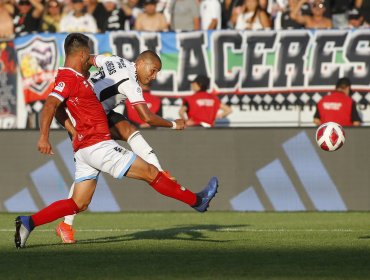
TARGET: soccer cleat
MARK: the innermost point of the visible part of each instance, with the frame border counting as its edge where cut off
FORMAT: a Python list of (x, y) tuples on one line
[(207, 195), (21, 233), (65, 232), (169, 176)]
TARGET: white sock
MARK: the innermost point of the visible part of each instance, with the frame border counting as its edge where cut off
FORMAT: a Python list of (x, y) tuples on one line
[(140, 147), (69, 219)]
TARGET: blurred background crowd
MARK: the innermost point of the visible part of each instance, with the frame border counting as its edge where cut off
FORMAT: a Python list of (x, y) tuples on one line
[(20, 17)]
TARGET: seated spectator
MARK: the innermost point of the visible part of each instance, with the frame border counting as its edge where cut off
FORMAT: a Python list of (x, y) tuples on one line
[(67, 6), (227, 8), (150, 19), (154, 104), (115, 16), (78, 20), (184, 15), (315, 21), (339, 13), (131, 10), (202, 108), (250, 16), (338, 106), (359, 16), (6, 19), (210, 14), (52, 17), (97, 10), (283, 20), (27, 16)]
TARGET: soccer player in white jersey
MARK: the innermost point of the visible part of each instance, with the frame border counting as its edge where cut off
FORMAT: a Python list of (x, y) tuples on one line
[(113, 83)]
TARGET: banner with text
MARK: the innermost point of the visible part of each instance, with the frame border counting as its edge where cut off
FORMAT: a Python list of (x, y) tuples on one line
[(268, 77)]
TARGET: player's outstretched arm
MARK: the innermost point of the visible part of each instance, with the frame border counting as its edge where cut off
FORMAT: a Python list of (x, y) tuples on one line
[(47, 116), (154, 120)]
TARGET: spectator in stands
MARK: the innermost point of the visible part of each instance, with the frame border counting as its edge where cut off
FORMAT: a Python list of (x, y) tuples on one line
[(338, 106), (154, 104), (115, 16), (67, 6), (97, 10), (315, 21), (6, 19), (250, 16), (202, 108), (150, 19), (360, 15), (27, 16), (227, 8), (339, 10), (163, 7), (52, 17), (78, 20), (132, 10), (283, 20), (184, 15), (210, 14)]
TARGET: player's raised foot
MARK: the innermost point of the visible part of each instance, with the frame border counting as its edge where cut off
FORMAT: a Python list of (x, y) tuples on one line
[(168, 175), (65, 232), (22, 231), (207, 195)]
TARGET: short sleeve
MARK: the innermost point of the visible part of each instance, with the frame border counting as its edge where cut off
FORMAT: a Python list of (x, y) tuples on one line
[(62, 88), (132, 91)]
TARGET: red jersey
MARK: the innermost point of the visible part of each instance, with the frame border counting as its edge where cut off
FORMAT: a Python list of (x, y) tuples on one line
[(202, 107), (336, 107), (154, 104), (84, 106)]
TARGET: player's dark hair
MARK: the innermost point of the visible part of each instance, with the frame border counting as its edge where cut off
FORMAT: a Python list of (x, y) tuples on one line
[(74, 42), (149, 55), (343, 83)]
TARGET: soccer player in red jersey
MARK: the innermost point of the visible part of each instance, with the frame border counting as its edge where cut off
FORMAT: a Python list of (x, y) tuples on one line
[(94, 149)]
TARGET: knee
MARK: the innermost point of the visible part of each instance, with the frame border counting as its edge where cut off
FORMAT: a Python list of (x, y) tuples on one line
[(127, 132), (82, 205)]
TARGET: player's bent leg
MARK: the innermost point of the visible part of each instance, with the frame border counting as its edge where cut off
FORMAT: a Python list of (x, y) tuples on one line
[(125, 129), (138, 144), (83, 193)]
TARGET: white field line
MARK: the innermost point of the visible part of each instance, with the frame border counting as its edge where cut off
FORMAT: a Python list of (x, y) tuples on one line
[(204, 230)]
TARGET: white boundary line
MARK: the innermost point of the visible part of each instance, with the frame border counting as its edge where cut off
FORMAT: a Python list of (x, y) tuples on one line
[(204, 230)]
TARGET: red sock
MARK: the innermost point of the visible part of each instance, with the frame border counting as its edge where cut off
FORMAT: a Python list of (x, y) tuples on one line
[(55, 211), (167, 187)]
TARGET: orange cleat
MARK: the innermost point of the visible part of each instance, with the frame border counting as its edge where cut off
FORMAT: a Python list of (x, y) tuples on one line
[(65, 232), (169, 176)]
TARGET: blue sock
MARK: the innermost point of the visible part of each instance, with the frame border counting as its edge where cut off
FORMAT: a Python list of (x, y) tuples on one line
[(27, 222)]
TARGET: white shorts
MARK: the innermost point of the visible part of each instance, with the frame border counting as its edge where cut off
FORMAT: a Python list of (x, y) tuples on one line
[(106, 156)]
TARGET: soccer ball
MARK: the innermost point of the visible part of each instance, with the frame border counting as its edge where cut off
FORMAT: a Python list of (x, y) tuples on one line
[(330, 136)]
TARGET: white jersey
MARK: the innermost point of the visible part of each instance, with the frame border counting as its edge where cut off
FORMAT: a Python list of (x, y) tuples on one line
[(115, 82)]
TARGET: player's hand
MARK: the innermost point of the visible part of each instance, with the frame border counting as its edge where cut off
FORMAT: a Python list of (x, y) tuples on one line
[(44, 146), (180, 124)]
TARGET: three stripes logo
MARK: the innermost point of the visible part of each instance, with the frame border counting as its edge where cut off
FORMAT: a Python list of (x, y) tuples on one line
[(51, 186), (279, 188)]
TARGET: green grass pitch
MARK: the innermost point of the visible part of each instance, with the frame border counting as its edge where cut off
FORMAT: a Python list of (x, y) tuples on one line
[(179, 245)]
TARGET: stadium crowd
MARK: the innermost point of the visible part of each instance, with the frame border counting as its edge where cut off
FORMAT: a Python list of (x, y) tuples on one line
[(20, 17)]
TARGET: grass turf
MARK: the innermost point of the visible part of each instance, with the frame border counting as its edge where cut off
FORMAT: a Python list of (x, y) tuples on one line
[(214, 245)]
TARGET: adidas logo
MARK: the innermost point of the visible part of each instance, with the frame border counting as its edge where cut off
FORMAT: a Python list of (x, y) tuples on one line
[(51, 186), (279, 188)]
